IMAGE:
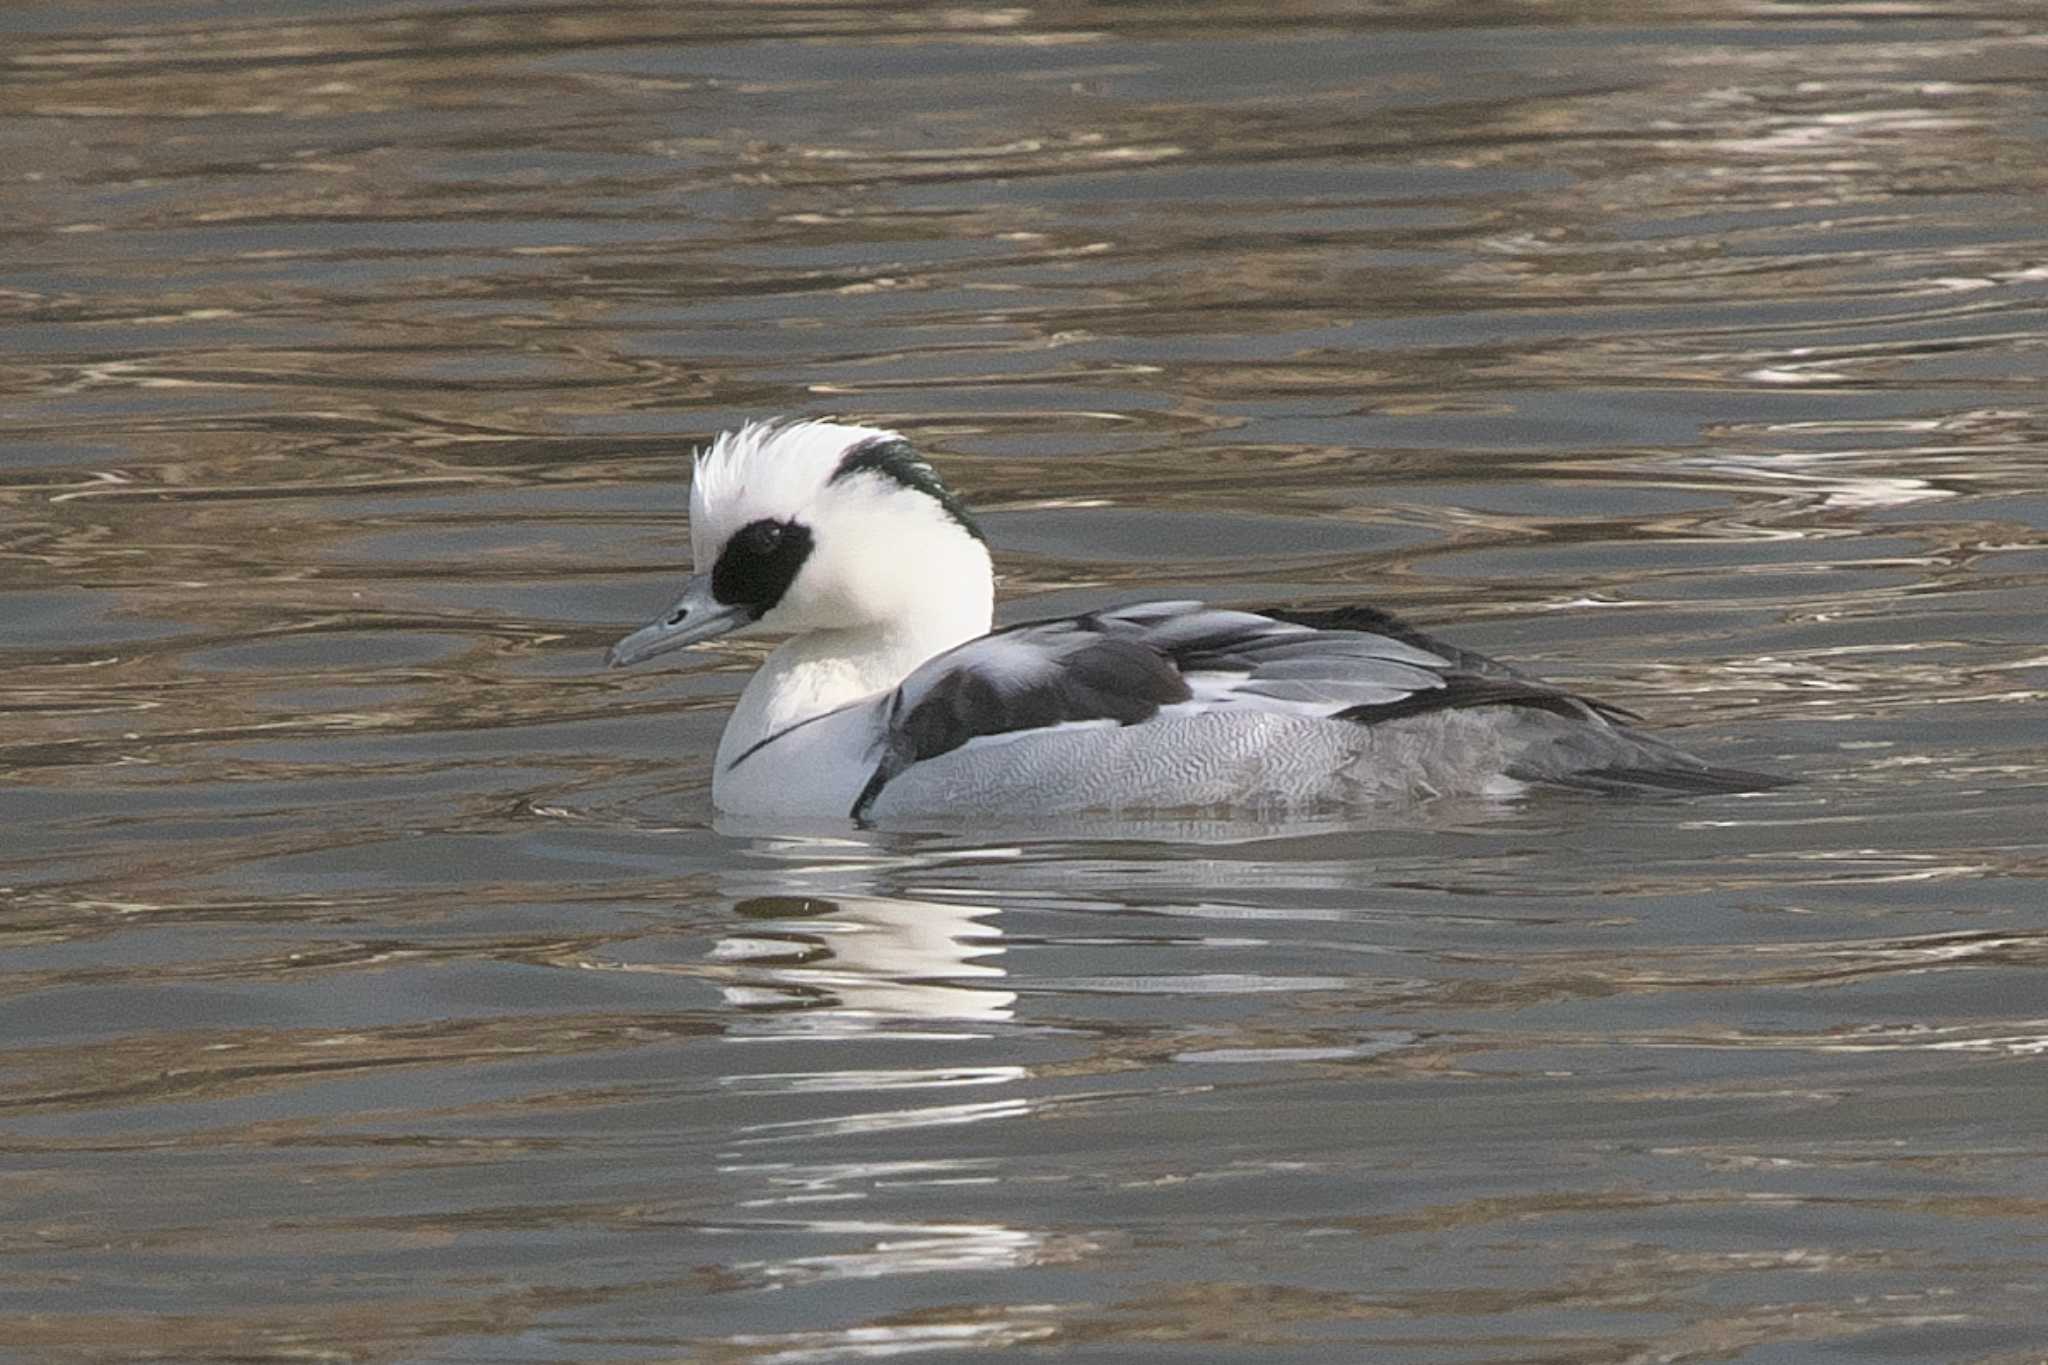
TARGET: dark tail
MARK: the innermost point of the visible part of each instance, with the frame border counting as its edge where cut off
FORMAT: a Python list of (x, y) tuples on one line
[(1676, 781)]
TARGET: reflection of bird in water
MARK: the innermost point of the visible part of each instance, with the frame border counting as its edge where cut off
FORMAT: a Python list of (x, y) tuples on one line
[(892, 699), (853, 962)]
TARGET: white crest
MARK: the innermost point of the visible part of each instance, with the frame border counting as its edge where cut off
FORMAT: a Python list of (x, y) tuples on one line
[(772, 468)]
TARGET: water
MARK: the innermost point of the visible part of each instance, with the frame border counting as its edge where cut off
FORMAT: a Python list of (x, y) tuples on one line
[(379, 986)]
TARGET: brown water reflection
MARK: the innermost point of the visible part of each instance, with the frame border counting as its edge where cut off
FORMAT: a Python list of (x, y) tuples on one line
[(380, 986)]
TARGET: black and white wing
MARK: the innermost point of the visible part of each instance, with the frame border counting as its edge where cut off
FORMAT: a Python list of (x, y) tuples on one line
[(1032, 676), (1122, 667)]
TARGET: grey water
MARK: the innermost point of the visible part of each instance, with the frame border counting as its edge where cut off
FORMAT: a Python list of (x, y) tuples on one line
[(377, 983)]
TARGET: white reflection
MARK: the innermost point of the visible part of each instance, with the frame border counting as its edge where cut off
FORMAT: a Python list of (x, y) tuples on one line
[(812, 953), (906, 1248), (877, 1343), (1836, 478), (854, 962)]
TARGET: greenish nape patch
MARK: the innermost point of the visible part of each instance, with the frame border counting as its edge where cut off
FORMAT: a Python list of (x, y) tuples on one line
[(894, 459)]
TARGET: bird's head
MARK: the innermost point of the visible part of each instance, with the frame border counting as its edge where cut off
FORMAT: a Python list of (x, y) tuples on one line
[(810, 526)]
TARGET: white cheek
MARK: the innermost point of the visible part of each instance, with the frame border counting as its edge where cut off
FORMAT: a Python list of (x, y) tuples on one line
[(826, 595)]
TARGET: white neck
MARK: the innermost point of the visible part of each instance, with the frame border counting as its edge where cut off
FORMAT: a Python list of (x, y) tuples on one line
[(822, 670)]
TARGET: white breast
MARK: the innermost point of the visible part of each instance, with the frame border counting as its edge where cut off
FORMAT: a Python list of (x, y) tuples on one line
[(816, 769)]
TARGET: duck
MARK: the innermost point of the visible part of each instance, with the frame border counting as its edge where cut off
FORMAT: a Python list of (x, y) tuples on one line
[(892, 696)]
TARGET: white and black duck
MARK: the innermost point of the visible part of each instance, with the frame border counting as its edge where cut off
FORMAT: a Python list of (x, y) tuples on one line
[(892, 697)]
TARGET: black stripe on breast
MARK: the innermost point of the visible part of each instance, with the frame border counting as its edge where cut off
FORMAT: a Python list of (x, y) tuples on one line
[(1108, 678)]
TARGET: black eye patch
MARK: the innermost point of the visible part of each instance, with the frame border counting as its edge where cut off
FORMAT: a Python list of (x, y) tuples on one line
[(758, 564)]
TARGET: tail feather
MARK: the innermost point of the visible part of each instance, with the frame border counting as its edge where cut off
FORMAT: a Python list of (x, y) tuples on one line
[(1677, 781), (1600, 756), (1538, 732)]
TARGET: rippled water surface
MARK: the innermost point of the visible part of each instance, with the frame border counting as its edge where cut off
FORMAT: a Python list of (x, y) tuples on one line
[(378, 986)]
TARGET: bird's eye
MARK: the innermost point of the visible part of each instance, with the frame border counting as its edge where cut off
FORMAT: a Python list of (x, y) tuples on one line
[(762, 538)]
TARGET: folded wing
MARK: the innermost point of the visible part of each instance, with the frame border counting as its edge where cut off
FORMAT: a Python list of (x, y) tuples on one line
[(1123, 667)]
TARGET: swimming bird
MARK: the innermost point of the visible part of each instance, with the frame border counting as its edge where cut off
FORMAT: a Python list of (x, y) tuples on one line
[(892, 697)]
